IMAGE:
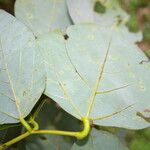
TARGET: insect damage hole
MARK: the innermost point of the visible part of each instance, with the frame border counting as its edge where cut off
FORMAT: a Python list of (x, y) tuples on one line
[(66, 37), (99, 7)]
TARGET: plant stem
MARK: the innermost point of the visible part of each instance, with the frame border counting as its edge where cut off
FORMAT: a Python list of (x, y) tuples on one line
[(15, 140), (21, 137), (25, 124), (79, 135)]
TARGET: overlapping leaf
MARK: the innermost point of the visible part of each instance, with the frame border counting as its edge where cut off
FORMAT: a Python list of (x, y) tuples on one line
[(43, 16), (22, 78), (86, 79), (99, 140), (80, 11), (83, 11)]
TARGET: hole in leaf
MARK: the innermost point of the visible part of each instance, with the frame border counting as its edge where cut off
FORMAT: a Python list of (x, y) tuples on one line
[(99, 7), (119, 20), (66, 36)]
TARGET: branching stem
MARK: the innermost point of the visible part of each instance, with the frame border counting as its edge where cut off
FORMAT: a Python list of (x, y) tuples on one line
[(35, 130), (24, 135), (79, 135)]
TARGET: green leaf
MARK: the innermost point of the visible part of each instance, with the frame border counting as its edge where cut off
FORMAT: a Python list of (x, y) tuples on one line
[(132, 23), (83, 11), (99, 8), (99, 140), (22, 78), (7, 126), (50, 117), (42, 17), (9, 133), (88, 80), (140, 144)]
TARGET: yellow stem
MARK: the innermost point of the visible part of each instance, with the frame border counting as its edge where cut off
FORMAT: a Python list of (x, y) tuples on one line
[(79, 135), (24, 135), (15, 140), (25, 124)]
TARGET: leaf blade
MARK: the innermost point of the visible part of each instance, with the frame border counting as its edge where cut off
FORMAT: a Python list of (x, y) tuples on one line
[(19, 60), (43, 17), (86, 47), (99, 140)]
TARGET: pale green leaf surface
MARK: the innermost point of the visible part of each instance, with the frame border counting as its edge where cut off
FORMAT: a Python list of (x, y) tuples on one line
[(83, 11), (22, 78), (99, 140), (80, 11), (43, 16), (74, 65)]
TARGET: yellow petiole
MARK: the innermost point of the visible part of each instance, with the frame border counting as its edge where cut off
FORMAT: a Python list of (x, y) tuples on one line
[(79, 135)]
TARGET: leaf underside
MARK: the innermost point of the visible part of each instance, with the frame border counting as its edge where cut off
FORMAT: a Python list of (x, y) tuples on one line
[(22, 78), (99, 140), (96, 74), (42, 17)]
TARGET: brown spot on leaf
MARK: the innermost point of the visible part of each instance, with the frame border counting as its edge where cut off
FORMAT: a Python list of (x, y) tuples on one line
[(147, 110), (24, 93)]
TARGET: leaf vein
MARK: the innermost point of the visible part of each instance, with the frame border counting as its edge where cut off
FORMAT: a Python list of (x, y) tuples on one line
[(93, 94)]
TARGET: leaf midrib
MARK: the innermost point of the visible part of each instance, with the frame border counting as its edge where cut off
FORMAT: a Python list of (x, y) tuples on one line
[(97, 84)]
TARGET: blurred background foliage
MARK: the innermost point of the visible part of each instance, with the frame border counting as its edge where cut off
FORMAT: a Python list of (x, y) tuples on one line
[(7, 5), (139, 11)]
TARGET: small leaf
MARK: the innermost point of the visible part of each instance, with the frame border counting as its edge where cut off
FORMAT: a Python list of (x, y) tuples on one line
[(42, 17), (96, 73), (99, 140), (22, 78)]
